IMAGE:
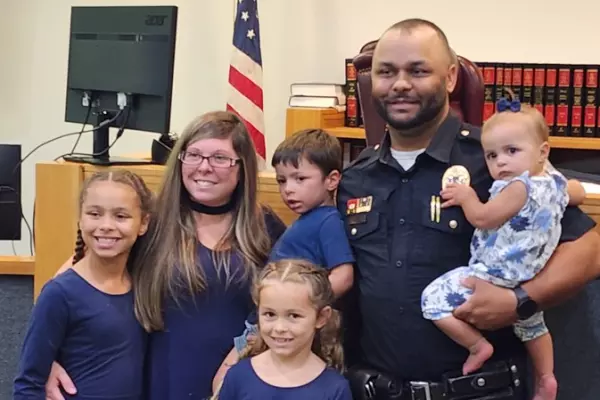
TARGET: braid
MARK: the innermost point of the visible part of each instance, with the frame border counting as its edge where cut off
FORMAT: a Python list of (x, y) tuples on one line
[(79, 248)]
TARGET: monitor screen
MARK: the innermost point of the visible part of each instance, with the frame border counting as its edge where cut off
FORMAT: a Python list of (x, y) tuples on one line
[(10, 192), (127, 49)]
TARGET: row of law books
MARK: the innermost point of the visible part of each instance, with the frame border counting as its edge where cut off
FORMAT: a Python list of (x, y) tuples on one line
[(566, 94)]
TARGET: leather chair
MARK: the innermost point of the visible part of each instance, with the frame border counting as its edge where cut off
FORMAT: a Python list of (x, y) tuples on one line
[(466, 99)]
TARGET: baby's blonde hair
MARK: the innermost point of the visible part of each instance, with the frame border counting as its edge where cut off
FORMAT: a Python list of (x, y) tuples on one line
[(527, 114)]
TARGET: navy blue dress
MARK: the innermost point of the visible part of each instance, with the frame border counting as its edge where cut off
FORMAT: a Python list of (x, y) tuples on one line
[(199, 331), (242, 383), (93, 335)]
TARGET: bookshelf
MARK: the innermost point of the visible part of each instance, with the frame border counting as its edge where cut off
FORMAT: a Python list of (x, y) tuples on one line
[(333, 122)]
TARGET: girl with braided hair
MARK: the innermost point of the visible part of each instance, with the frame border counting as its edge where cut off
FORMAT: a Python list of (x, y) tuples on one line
[(297, 354), (84, 318)]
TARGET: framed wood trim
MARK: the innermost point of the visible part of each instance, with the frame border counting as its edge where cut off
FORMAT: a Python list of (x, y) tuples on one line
[(17, 265)]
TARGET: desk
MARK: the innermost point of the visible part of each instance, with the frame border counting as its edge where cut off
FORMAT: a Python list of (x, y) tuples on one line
[(57, 190), (17, 265)]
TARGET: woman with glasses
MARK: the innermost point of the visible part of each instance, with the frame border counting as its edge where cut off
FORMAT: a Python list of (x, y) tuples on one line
[(208, 238)]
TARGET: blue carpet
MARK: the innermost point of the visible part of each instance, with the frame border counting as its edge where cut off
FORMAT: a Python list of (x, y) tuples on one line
[(16, 295)]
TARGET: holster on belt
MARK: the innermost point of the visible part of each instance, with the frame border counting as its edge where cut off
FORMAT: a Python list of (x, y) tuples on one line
[(502, 380)]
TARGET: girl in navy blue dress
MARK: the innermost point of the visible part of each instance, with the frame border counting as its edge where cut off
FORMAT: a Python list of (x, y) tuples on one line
[(84, 318), (297, 354)]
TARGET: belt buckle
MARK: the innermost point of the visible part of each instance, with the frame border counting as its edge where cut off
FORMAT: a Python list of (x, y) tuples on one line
[(419, 389)]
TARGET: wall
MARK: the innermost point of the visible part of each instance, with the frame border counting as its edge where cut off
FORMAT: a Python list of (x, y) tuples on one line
[(301, 41)]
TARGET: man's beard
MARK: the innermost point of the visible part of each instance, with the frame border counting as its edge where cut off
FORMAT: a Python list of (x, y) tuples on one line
[(430, 108)]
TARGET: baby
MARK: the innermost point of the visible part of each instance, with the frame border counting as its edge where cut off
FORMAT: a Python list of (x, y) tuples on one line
[(516, 232)]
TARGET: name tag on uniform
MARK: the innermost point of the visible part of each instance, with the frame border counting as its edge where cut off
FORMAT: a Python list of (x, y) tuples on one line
[(360, 205), (356, 219)]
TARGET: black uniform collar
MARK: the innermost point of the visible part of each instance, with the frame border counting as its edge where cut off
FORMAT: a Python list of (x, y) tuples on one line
[(440, 146)]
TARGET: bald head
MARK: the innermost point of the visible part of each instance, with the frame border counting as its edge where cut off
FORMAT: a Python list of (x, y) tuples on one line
[(426, 29)]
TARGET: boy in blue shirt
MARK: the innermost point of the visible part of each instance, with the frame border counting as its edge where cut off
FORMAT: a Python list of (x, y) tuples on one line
[(308, 168)]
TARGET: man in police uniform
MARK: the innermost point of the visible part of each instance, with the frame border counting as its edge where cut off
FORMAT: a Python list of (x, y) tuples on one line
[(403, 240)]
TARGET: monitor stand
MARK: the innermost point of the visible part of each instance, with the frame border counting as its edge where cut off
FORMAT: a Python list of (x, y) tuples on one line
[(100, 154)]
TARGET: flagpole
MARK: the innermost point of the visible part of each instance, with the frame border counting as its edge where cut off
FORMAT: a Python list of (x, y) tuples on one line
[(235, 2)]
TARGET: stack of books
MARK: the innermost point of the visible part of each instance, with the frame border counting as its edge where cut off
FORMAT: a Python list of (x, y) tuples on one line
[(318, 95)]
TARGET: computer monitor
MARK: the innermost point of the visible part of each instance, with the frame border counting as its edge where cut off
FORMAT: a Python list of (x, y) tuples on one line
[(10, 192), (121, 54)]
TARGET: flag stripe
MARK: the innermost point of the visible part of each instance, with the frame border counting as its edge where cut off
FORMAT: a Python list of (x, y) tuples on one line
[(247, 66), (247, 109), (257, 137), (246, 87)]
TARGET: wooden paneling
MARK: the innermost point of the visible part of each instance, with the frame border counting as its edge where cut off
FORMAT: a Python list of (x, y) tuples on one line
[(57, 188)]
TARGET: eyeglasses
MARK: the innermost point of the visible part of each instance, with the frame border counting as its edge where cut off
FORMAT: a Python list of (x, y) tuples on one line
[(216, 160)]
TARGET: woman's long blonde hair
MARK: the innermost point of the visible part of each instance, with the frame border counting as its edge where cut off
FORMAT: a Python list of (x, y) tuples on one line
[(169, 266)]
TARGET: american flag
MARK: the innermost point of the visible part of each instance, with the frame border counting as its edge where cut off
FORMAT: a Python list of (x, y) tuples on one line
[(245, 74)]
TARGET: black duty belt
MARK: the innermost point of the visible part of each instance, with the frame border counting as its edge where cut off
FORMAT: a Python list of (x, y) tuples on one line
[(497, 381)]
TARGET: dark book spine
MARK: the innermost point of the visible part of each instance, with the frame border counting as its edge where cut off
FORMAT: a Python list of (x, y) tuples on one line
[(508, 69), (576, 108), (539, 82), (590, 106), (499, 81), (517, 81), (528, 84), (355, 149), (564, 99), (489, 75), (351, 116), (551, 98)]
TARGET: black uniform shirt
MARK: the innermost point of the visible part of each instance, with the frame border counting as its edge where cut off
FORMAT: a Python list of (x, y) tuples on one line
[(401, 244)]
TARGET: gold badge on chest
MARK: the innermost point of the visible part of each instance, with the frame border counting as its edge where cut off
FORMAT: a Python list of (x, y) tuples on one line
[(456, 174)]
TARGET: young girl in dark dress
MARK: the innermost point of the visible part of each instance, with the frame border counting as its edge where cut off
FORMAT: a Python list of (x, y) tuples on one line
[(297, 355), (84, 317)]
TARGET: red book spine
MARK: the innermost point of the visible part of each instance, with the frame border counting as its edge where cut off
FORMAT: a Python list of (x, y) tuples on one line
[(489, 74), (352, 102)]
